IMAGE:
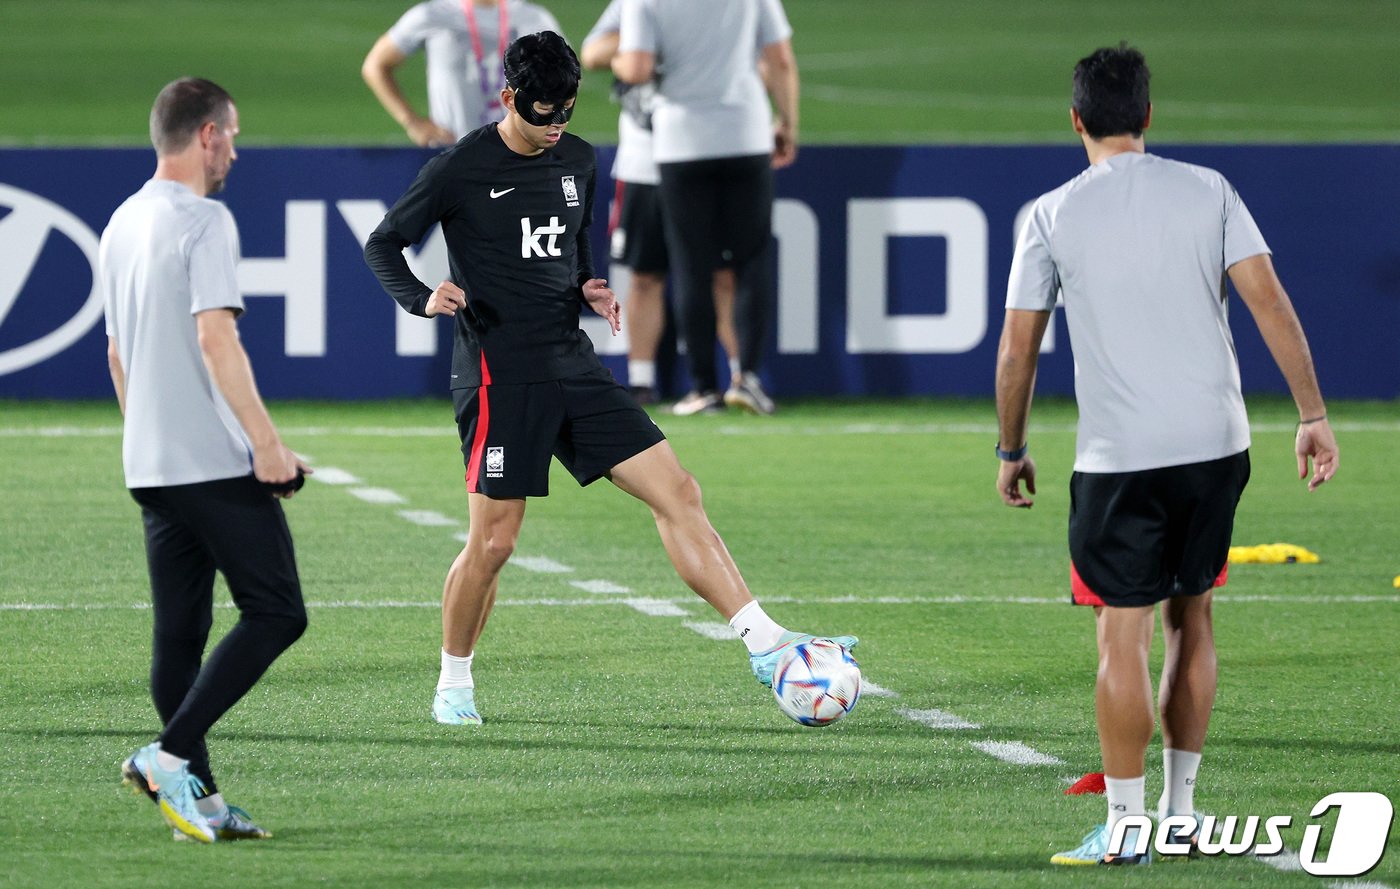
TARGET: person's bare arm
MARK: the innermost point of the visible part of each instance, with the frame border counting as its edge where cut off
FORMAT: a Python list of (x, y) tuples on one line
[(1258, 285), (114, 366), (378, 72), (598, 53), (233, 375), (779, 71), (634, 66), (1017, 357)]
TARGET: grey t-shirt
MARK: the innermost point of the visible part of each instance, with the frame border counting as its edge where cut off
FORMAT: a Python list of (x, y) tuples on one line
[(634, 161), (1139, 246), (711, 102), (458, 98), (165, 256)]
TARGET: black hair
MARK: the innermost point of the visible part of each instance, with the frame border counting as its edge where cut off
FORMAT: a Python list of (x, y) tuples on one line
[(184, 106), (1110, 91), (544, 67)]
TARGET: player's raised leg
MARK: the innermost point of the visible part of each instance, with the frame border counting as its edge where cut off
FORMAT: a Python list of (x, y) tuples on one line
[(467, 597), (656, 477)]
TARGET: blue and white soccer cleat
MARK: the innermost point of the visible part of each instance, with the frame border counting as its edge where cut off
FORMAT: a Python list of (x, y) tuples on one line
[(763, 662), (233, 824), (173, 792), (1094, 850), (455, 706)]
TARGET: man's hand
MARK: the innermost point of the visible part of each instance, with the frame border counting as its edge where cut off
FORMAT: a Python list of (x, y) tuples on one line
[(427, 134), (277, 465), (784, 145), (602, 300), (1009, 482), (446, 300), (1315, 441)]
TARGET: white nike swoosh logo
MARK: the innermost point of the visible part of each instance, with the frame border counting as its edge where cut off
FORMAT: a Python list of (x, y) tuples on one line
[(495, 194)]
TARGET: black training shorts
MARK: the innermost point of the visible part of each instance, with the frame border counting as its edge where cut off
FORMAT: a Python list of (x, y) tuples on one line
[(637, 232), (509, 432), (1136, 538)]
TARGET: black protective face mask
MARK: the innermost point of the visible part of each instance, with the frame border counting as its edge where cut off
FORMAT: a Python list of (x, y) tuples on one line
[(525, 107)]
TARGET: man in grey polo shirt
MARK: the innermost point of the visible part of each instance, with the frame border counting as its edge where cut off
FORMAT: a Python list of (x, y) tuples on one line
[(463, 41), (717, 144), (201, 456), (1140, 248), (636, 228)]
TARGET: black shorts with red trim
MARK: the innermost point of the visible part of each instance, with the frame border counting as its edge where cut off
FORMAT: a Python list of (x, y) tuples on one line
[(1137, 538), (509, 432), (636, 231)]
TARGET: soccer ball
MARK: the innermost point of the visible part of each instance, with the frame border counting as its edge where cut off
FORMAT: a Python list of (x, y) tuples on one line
[(816, 682)]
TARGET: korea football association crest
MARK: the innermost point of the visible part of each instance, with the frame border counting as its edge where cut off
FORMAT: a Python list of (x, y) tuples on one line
[(495, 462), (570, 191)]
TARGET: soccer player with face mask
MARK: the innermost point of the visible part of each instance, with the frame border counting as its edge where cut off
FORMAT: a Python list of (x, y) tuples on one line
[(515, 200)]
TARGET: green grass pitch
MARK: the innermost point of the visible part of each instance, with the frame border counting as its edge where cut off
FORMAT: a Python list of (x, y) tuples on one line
[(876, 71), (626, 749)]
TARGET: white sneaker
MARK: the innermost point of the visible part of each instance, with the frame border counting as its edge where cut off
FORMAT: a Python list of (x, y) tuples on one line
[(746, 393), (455, 706), (698, 403)]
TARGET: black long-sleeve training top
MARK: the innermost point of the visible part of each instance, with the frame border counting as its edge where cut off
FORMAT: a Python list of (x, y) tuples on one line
[(516, 229)]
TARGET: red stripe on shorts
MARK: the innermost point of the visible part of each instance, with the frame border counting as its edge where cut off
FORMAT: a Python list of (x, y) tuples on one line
[(483, 423), (1079, 590), (1082, 595)]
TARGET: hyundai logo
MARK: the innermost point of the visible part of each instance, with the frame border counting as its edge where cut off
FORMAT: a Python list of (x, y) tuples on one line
[(23, 234)]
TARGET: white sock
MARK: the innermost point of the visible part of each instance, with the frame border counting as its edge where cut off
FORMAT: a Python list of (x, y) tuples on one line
[(210, 805), (456, 671), (734, 369), (169, 762), (756, 628), (1179, 782), (641, 373), (1125, 797)]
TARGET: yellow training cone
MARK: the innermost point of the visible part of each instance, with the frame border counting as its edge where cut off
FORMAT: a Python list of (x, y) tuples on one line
[(1275, 554)]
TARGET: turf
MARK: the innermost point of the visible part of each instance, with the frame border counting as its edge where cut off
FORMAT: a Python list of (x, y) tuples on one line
[(878, 71), (625, 749)]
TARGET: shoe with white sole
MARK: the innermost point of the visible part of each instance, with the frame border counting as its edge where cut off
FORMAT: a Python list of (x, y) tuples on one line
[(173, 792), (455, 706)]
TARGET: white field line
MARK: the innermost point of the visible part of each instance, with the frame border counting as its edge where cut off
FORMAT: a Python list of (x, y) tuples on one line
[(937, 719), (1017, 753), (771, 429), (868, 688), (377, 495), (599, 586), (712, 629), (539, 564), (331, 476), (657, 607), (427, 518), (775, 428)]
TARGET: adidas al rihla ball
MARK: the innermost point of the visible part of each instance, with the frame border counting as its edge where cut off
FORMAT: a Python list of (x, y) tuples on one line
[(816, 683)]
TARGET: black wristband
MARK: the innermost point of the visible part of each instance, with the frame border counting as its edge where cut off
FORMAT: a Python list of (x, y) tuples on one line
[(1012, 456), (1312, 420)]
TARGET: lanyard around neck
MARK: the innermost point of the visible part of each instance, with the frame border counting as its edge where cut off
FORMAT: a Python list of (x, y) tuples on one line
[(490, 91)]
